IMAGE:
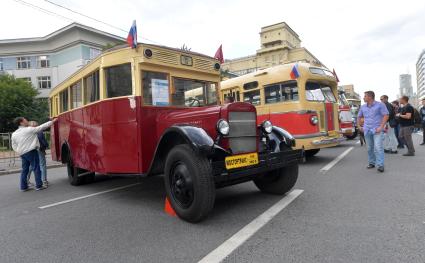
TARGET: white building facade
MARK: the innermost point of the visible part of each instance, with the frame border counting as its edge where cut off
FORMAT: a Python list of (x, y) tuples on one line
[(406, 88), (47, 61)]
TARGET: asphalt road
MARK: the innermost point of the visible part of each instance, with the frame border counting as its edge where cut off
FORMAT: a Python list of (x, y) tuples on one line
[(346, 214)]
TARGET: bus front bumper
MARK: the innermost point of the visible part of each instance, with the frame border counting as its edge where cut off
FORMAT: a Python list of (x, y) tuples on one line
[(326, 141), (347, 131), (266, 162)]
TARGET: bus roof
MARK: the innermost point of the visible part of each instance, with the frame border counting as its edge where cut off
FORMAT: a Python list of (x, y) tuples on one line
[(125, 48), (277, 72)]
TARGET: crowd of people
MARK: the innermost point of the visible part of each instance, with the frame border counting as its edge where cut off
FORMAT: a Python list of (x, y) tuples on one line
[(388, 127)]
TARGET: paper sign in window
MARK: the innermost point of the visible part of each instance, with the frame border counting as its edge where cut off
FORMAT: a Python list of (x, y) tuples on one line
[(160, 92)]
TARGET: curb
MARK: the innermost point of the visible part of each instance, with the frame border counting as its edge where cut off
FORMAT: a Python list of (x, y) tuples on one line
[(19, 170)]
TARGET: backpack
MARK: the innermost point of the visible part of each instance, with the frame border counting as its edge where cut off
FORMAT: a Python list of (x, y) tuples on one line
[(417, 120)]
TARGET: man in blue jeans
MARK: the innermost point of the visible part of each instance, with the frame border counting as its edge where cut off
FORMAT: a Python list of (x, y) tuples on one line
[(375, 116), (25, 143)]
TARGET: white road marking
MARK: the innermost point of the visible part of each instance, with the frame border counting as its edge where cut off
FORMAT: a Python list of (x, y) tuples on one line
[(336, 160), (87, 196), (226, 248), (358, 142)]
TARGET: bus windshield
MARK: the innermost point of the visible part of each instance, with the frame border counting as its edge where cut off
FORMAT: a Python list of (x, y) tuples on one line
[(319, 92)]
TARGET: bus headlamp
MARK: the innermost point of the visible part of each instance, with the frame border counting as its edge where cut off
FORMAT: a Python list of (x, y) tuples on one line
[(267, 126), (314, 120), (223, 127)]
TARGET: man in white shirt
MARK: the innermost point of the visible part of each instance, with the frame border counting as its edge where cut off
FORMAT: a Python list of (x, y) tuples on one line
[(25, 143)]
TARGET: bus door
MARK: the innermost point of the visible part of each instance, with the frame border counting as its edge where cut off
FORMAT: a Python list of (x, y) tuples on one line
[(329, 107)]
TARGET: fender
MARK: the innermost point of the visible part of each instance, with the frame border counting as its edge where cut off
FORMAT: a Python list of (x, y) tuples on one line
[(284, 136), (196, 137)]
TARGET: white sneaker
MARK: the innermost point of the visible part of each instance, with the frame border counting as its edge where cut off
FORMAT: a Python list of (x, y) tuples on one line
[(46, 183), (30, 184), (41, 188)]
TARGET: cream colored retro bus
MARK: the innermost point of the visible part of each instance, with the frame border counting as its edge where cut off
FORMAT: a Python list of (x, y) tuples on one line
[(307, 106)]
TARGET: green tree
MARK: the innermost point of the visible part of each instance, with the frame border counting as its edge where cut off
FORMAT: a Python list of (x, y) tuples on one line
[(18, 98)]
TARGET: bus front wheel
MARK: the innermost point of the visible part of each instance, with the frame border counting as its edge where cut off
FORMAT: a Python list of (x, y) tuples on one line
[(279, 181), (189, 184)]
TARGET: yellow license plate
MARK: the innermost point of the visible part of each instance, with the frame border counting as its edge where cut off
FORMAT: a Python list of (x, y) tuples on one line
[(242, 160)]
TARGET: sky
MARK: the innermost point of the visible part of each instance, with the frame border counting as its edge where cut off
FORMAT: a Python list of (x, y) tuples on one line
[(368, 43)]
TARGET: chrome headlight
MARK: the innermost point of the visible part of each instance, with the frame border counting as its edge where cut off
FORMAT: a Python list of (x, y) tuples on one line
[(223, 127), (314, 120), (267, 126)]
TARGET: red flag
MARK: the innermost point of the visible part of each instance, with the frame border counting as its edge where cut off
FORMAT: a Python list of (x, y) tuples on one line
[(219, 55), (336, 76)]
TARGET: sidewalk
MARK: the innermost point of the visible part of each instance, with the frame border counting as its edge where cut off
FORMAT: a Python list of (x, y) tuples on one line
[(10, 163)]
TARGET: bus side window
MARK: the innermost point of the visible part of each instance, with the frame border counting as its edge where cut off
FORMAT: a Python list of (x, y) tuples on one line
[(272, 94), (252, 97), (76, 99), (159, 83), (118, 81), (91, 88), (63, 98)]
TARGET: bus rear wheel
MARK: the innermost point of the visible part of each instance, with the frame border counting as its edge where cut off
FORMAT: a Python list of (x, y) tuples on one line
[(78, 176), (189, 184), (279, 181), (311, 153)]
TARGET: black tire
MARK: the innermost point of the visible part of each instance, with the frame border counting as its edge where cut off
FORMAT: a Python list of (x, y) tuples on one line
[(73, 173), (352, 136), (311, 153), (189, 183), (279, 181)]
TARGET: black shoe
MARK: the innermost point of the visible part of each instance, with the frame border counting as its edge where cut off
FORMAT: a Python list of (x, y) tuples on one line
[(400, 147), (381, 169), (422, 143), (394, 152), (409, 154), (370, 166), (387, 151)]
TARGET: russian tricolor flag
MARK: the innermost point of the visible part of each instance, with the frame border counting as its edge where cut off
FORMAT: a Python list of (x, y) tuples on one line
[(294, 72), (132, 36)]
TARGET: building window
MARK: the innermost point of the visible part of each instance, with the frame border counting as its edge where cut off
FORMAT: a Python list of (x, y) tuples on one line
[(91, 88), (23, 62), (44, 82), (43, 62), (118, 81), (94, 53), (76, 99)]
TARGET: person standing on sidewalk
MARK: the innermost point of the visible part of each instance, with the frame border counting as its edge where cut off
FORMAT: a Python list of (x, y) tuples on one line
[(390, 141), (375, 117), (25, 143), (422, 112), (397, 109), (41, 155), (406, 125)]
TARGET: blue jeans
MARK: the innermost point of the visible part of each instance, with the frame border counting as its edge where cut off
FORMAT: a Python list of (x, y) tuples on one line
[(375, 148), (30, 159), (43, 168)]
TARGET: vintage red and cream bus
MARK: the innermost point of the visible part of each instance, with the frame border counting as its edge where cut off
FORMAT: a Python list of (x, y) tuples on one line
[(155, 110), (346, 123), (306, 107)]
